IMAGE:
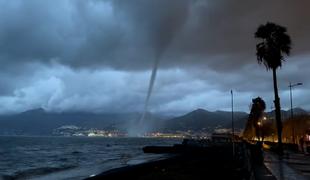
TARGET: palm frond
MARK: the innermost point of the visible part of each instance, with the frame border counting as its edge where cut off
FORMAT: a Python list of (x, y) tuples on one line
[(275, 43)]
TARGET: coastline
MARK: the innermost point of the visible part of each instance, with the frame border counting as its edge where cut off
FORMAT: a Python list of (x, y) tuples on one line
[(50, 157), (199, 163)]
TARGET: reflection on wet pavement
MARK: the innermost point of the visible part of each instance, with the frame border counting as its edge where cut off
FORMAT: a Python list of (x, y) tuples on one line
[(286, 169)]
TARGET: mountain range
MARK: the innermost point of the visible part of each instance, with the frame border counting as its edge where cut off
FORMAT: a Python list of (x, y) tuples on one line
[(41, 122), (201, 119)]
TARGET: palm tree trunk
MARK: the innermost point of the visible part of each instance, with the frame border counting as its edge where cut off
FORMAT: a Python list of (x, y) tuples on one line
[(278, 111)]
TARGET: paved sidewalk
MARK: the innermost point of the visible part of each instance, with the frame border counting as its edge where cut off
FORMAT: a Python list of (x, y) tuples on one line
[(291, 167)]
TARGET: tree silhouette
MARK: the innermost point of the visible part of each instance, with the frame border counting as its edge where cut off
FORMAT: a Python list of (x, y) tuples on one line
[(253, 128), (274, 44)]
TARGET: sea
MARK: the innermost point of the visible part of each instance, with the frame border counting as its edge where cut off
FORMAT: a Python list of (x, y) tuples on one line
[(66, 158)]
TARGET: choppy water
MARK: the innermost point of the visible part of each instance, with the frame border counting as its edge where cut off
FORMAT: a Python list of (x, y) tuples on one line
[(70, 157)]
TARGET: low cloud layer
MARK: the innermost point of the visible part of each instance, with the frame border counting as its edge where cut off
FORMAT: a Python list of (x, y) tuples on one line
[(96, 55)]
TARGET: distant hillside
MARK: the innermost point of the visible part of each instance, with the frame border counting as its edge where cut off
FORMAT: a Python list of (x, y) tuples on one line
[(201, 119), (40, 122), (240, 123), (287, 114)]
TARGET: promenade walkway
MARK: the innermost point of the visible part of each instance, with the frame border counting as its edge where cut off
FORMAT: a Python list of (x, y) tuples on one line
[(292, 166)]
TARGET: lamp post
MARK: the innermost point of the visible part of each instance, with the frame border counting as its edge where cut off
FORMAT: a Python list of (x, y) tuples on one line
[(232, 113), (232, 121), (292, 114), (259, 123)]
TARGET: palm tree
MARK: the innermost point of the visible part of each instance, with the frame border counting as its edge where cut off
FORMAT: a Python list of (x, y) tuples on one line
[(275, 43)]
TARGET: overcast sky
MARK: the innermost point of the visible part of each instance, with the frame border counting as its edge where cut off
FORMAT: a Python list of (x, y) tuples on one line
[(97, 55)]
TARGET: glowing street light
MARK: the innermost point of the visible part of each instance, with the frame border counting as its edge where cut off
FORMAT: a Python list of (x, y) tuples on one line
[(290, 86), (291, 98), (232, 121)]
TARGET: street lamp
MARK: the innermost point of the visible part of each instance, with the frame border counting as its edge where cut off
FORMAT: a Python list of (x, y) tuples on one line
[(232, 121), (260, 125), (232, 112), (292, 114)]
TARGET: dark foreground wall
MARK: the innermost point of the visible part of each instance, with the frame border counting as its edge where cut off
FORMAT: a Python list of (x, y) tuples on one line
[(215, 162)]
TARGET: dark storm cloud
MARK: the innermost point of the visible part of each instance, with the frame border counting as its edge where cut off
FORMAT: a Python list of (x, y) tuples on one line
[(47, 48), (220, 33), (128, 35), (87, 33), (156, 21)]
